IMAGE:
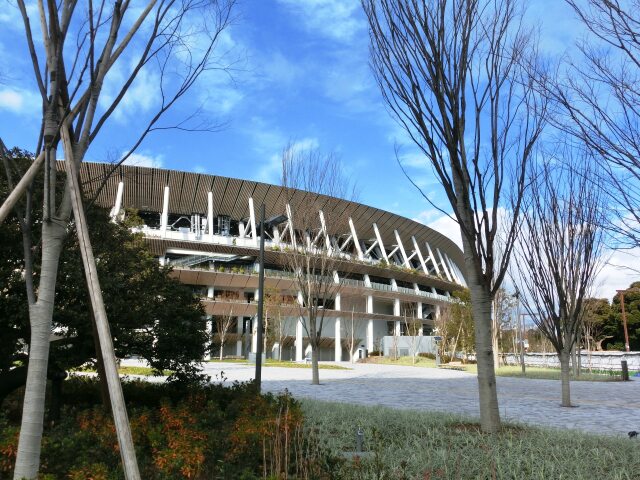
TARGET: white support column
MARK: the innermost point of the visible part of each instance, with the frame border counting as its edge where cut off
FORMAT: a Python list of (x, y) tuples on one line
[(292, 235), (254, 335), (450, 265), (420, 257), (444, 265), (164, 217), (394, 285), (403, 252), (396, 313), (210, 292), (239, 321), (380, 244), (242, 229), (338, 337), (356, 242), (419, 317), (209, 330), (299, 333), (210, 215), (370, 323), (433, 258), (323, 224), (276, 235), (116, 207), (367, 281), (252, 220)]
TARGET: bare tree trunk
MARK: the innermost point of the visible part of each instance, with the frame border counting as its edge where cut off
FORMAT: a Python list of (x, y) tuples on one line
[(315, 376), (40, 314), (565, 377), (481, 305)]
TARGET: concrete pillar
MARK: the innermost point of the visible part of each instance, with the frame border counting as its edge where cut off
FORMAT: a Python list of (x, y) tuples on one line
[(241, 228), (419, 317), (209, 330), (338, 337), (370, 322), (394, 285), (397, 328), (396, 308), (118, 204), (254, 335), (210, 292), (164, 217), (239, 321), (299, 340), (210, 215)]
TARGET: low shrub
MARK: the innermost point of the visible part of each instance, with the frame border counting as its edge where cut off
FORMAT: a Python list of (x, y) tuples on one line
[(201, 432)]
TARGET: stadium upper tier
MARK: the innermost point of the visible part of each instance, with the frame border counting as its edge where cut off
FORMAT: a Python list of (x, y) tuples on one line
[(193, 216)]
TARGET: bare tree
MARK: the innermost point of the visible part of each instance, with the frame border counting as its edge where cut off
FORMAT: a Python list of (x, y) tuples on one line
[(560, 251), (412, 326), (276, 324), (315, 259), (452, 74), (601, 95), (503, 306), (351, 329), (223, 325), (70, 77)]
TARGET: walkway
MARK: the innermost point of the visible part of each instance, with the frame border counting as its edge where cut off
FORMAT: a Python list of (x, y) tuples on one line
[(611, 408)]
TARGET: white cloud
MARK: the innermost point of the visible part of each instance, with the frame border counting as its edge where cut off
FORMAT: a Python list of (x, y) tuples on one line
[(271, 170), (618, 273), (23, 102), (339, 20), (443, 224), (143, 160)]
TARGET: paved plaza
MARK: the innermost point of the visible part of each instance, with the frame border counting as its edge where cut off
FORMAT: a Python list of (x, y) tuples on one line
[(611, 408)]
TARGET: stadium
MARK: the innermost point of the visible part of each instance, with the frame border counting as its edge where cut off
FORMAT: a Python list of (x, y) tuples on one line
[(393, 272)]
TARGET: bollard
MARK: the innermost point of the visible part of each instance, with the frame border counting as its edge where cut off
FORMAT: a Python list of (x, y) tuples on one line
[(359, 439), (625, 371)]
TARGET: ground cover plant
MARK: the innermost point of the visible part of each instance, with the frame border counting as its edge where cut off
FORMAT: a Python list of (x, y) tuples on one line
[(409, 445)]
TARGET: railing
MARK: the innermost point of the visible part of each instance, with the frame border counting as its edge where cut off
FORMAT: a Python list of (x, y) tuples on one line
[(269, 245)]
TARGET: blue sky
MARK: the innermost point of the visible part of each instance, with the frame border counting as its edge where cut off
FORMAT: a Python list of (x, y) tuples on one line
[(301, 75)]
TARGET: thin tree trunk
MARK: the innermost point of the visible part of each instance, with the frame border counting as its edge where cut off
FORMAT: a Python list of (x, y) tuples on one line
[(40, 315), (481, 305), (565, 377), (21, 187), (120, 417), (315, 377)]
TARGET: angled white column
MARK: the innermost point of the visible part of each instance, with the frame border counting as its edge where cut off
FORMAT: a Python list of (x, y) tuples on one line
[(276, 235), (356, 242), (164, 217), (242, 229), (451, 269), (292, 235), (323, 224), (432, 258), (420, 257), (444, 265), (210, 215), (118, 204), (380, 244), (239, 321), (252, 220), (403, 252)]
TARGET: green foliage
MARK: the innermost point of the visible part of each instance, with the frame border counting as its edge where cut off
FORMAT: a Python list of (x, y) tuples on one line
[(151, 315), (614, 326)]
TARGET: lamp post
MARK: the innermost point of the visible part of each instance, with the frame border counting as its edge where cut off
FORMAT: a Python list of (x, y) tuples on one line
[(624, 319), (263, 225), (258, 377)]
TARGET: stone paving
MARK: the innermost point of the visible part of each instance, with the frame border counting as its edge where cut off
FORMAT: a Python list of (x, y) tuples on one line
[(611, 408)]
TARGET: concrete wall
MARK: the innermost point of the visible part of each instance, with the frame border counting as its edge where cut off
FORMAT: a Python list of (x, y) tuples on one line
[(405, 346), (595, 360)]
